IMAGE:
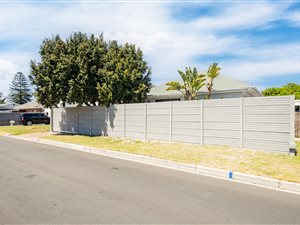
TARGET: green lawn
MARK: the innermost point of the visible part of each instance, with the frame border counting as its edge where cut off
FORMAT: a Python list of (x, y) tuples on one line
[(19, 130), (277, 166)]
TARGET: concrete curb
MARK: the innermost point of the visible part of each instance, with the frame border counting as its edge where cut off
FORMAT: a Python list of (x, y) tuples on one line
[(191, 168)]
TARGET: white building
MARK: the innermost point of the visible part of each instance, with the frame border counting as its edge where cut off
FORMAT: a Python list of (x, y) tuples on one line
[(224, 87), (297, 105)]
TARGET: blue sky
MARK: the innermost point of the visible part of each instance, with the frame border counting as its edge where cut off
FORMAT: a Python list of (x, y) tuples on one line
[(254, 41)]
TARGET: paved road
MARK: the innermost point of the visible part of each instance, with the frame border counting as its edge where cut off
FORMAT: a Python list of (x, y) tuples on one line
[(45, 184)]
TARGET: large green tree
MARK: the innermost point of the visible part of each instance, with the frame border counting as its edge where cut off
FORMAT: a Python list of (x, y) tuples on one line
[(126, 76), (50, 75), (288, 89), (86, 57), (88, 70), (2, 99), (192, 82), (19, 90)]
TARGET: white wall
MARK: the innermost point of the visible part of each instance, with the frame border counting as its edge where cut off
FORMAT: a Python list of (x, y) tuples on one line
[(262, 123), (215, 95), (48, 111)]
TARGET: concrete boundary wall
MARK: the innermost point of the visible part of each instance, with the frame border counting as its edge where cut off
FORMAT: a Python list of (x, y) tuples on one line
[(5, 118), (262, 123)]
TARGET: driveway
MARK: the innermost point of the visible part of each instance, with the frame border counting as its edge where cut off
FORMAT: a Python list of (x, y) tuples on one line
[(46, 184)]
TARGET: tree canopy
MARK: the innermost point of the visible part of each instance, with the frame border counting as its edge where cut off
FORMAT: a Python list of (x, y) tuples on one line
[(288, 89), (192, 82), (89, 70), (19, 90)]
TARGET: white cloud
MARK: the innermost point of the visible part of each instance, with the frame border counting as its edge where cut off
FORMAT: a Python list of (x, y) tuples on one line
[(242, 15), (170, 51), (291, 50), (294, 18), (10, 64), (255, 70), (168, 43), (6, 67), (266, 61)]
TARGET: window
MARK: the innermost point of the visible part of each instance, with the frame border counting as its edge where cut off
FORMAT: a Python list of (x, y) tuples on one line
[(168, 100), (41, 116)]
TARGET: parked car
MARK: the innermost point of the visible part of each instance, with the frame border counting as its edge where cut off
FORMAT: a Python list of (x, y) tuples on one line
[(34, 118)]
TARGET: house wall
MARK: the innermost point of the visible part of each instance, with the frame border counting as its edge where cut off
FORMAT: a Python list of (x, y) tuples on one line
[(33, 110), (47, 111), (215, 95), (262, 123), (238, 94)]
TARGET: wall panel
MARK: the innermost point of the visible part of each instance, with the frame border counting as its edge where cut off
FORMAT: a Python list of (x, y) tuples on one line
[(262, 123)]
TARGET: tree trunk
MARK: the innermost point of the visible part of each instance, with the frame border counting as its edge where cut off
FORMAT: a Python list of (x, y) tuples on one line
[(208, 92), (188, 96), (209, 88)]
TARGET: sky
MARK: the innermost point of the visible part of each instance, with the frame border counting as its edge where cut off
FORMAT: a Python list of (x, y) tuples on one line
[(254, 41)]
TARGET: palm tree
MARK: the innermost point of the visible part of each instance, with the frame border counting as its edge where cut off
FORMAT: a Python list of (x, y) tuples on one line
[(212, 73), (192, 82)]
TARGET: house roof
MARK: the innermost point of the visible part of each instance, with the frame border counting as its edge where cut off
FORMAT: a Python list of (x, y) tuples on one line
[(221, 83), (8, 106), (29, 105)]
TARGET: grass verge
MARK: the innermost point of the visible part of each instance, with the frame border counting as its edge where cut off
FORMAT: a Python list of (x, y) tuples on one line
[(20, 130), (277, 166)]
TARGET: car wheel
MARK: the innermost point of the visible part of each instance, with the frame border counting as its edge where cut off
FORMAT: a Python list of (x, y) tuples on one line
[(29, 123)]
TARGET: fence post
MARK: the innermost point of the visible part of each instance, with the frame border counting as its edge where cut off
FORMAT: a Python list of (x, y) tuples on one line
[(124, 120), (292, 119), (171, 122), (297, 124), (91, 115), (202, 121), (51, 119), (77, 119), (61, 117), (241, 123), (145, 131)]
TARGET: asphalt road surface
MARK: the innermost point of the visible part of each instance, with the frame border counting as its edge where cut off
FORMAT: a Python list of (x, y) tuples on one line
[(46, 184)]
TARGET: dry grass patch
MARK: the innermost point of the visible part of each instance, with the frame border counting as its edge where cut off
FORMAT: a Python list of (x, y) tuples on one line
[(277, 166)]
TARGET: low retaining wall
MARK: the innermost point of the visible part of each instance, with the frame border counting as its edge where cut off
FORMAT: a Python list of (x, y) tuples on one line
[(5, 118)]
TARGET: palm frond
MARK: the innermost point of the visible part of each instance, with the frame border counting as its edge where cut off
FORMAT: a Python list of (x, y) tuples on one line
[(174, 86), (213, 70)]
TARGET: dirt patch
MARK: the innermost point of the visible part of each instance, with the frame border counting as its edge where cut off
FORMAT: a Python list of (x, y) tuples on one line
[(37, 135)]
